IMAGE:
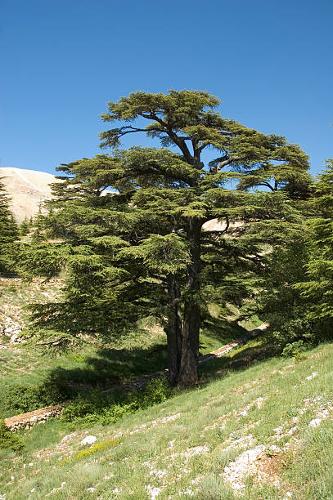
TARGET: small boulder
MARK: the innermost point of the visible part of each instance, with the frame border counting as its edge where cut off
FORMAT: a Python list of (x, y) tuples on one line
[(88, 440)]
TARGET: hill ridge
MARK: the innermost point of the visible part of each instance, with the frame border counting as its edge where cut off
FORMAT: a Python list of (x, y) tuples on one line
[(27, 189)]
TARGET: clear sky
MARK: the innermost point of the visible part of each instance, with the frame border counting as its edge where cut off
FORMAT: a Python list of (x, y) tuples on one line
[(270, 62)]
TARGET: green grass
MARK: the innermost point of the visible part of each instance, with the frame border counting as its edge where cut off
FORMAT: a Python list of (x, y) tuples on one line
[(33, 376), (183, 445), (31, 379)]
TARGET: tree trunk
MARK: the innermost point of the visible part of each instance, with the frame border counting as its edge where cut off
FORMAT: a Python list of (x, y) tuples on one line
[(188, 374), (174, 332)]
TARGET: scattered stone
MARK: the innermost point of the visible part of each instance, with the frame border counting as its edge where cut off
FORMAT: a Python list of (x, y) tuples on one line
[(244, 465), (26, 420), (153, 491), (292, 430), (116, 491), (242, 442), (108, 477), (197, 480), (68, 437), (278, 432), (244, 412), (55, 490), (312, 376), (165, 420), (159, 474), (315, 422), (188, 492), (220, 422), (88, 440), (273, 449), (196, 450), (322, 414), (155, 423), (12, 330), (257, 403)]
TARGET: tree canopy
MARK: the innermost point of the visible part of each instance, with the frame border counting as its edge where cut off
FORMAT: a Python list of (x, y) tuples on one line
[(8, 233), (317, 289), (132, 223)]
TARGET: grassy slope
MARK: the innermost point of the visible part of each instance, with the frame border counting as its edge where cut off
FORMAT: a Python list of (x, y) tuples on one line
[(181, 447), (25, 368)]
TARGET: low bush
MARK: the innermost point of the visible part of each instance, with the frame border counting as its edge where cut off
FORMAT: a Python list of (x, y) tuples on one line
[(295, 349), (9, 440), (103, 408), (20, 398), (299, 333)]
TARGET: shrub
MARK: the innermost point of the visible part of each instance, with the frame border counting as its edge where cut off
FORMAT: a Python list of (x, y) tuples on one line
[(156, 391), (9, 440), (20, 398), (295, 349), (104, 408), (296, 331)]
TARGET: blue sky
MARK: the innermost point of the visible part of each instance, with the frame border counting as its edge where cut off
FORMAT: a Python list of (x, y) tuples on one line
[(270, 62)]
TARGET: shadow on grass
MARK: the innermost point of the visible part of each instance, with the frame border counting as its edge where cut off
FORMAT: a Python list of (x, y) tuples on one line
[(106, 378), (108, 368), (126, 370), (223, 330), (108, 406), (241, 360), (98, 372), (118, 367)]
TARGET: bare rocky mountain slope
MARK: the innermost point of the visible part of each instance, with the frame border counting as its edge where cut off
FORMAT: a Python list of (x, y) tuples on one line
[(27, 189)]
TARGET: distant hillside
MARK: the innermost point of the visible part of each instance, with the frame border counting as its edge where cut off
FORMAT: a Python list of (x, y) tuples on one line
[(28, 189)]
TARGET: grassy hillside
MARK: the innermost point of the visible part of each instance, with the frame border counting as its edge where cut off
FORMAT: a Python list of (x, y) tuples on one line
[(264, 431), (33, 376)]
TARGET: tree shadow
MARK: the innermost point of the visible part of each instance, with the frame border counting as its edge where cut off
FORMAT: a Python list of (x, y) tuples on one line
[(108, 368), (248, 356), (111, 375), (223, 330)]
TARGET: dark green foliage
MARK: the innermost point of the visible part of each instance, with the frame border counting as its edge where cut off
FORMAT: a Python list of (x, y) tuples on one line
[(9, 440), (25, 227), (297, 294), (295, 349), (278, 301), (42, 259), (8, 234), (134, 220), (21, 398), (105, 408), (317, 290)]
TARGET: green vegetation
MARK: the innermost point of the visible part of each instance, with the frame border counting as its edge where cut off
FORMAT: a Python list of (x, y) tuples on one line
[(8, 440), (129, 226), (8, 234), (317, 289), (169, 447), (148, 260), (40, 371)]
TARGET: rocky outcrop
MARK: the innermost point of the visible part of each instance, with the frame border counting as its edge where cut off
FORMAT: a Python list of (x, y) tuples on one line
[(11, 329), (26, 420)]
